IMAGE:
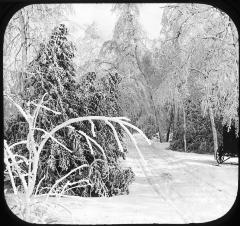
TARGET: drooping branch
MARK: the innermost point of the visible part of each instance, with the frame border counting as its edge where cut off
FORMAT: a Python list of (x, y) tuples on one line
[(18, 143), (10, 174), (118, 120), (26, 116), (53, 138), (62, 178), (90, 139), (36, 148), (135, 144), (17, 167), (115, 135)]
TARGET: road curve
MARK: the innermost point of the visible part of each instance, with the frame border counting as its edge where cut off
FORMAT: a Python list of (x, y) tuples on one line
[(193, 187)]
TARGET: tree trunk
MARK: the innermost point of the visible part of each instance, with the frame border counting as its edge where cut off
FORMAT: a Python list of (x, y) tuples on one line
[(170, 124), (23, 28), (184, 130), (156, 114), (149, 90), (168, 132), (174, 117), (158, 124), (214, 131)]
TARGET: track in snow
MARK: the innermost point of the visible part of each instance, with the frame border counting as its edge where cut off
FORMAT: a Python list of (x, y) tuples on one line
[(173, 187)]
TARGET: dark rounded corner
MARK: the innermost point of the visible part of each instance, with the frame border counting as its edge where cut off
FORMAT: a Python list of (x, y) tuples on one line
[(9, 217), (229, 8), (231, 215), (9, 10)]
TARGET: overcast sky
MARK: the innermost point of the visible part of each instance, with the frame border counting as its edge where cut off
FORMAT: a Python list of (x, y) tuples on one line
[(150, 18)]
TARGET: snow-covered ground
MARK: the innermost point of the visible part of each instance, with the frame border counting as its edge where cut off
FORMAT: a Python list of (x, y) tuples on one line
[(173, 187)]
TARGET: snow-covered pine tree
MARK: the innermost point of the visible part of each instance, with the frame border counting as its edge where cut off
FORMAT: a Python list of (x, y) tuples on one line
[(52, 72)]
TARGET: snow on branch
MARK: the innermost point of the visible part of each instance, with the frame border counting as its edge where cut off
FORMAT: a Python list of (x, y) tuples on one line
[(64, 177), (25, 115), (53, 138), (120, 120), (35, 148), (9, 154), (89, 144)]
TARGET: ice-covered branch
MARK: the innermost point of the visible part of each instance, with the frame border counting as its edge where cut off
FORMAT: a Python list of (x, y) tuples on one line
[(62, 178), (18, 143), (46, 108), (119, 120), (26, 116), (89, 138), (17, 167), (10, 174), (53, 138), (92, 128), (115, 135)]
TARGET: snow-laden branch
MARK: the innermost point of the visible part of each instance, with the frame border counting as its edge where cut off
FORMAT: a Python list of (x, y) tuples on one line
[(36, 112), (39, 184), (9, 154), (92, 128), (135, 144), (115, 135), (120, 120), (25, 115), (35, 149), (53, 138), (78, 184), (64, 177), (18, 143), (10, 174), (90, 146), (46, 108)]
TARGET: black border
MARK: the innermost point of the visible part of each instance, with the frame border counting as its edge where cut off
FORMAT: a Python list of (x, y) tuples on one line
[(7, 10)]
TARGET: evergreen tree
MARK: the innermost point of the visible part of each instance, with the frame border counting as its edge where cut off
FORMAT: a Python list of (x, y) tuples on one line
[(52, 72)]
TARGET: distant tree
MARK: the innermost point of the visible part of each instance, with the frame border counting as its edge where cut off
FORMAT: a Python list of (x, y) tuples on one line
[(88, 48), (127, 53)]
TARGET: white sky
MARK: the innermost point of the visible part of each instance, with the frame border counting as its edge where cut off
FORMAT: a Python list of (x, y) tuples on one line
[(150, 18)]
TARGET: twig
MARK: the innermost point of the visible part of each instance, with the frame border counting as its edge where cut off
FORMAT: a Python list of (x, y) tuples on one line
[(36, 112), (39, 184), (62, 178), (87, 137), (26, 116), (92, 128), (54, 139), (18, 143), (11, 176), (138, 130), (8, 151), (46, 108), (134, 142), (78, 186), (115, 135)]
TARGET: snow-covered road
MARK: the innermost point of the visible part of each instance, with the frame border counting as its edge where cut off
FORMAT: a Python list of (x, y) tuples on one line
[(173, 187), (191, 185)]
